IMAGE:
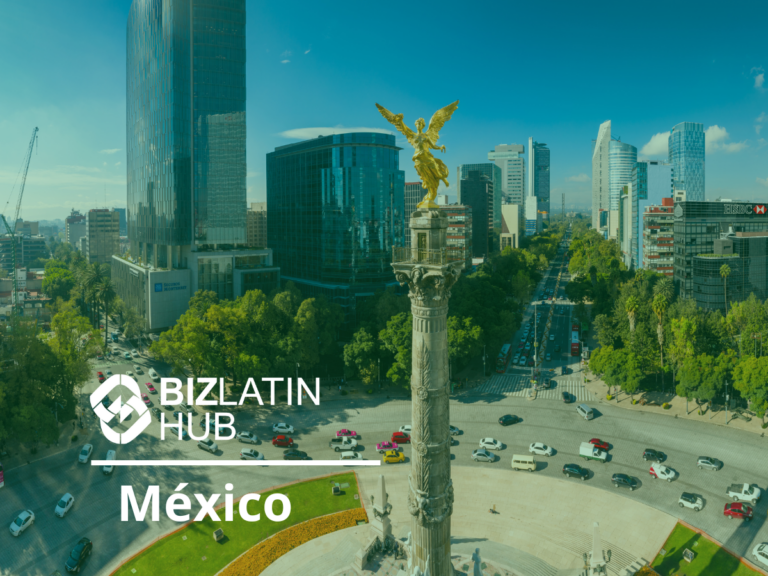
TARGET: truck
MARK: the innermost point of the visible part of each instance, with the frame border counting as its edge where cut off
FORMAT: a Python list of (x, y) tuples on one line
[(743, 493), (344, 443), (589, 452)]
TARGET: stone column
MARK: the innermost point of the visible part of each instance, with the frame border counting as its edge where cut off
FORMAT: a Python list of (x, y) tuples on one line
[(430, 270)]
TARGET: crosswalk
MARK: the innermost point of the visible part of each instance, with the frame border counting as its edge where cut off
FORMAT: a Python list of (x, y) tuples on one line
[(520, 386)]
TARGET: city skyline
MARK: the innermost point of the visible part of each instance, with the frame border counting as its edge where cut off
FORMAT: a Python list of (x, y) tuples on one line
[(77, 96)]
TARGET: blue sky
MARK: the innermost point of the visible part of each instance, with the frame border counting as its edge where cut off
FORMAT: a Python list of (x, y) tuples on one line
[(553, 71)]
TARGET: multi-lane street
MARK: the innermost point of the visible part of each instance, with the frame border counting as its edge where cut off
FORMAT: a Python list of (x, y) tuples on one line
[(96, 513)]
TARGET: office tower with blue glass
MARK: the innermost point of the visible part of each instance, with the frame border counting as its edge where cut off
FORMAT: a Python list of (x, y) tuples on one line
[(600, 178), (186, 166), (336, 210), (476, 190), (538, 177), (687, 155), (510, 158), (491, 171)]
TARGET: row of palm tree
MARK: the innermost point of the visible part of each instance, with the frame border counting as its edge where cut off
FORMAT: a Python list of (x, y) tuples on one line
[(95, 292)]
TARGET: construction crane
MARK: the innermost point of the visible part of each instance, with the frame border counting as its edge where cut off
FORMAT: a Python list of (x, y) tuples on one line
[(11, 230)]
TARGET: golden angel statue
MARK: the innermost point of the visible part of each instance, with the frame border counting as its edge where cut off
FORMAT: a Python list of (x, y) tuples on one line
[(430, 169)]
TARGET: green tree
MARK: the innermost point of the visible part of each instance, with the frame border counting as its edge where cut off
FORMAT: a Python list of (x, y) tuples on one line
[(361, 356), (630, 306), (397, 338), (58, 283), (725, 271), (599, 359), (750, 377), (465, 341), (105, 292)]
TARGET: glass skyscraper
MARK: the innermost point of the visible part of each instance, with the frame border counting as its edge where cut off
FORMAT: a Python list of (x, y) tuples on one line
[(622, 159), (538, 176), (335, 210), (493, 173), (185, 128), (686, 155)]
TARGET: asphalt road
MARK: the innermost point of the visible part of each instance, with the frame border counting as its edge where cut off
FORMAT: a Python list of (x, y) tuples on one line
[(96, 513)]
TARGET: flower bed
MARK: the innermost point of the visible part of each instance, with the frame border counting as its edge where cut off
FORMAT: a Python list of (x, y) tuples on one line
[(258, 558)]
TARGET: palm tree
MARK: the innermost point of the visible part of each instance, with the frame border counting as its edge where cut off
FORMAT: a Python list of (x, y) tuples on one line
[(659, 306), (105, 292), (725, 271), (630, 307), (593, 275), (92, 276), (665, 287)]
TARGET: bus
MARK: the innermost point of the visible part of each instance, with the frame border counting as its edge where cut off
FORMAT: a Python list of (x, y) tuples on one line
[(575, 344), (503, 359)]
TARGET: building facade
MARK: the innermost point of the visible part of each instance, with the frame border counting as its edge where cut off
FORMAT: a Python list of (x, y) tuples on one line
[(510, 158), (476, 191), (650, 183), (687, 156), (28, 249), (622, 159), (256, 225), (459, 232), (493, 173), (600, 175), (102, 236), (413, 195), (74, 228), (123, 221), (538, 176), (510, 226), (336, 210), (658, 237), (699, 224)]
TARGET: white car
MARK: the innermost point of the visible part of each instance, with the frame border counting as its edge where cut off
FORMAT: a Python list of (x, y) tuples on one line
[(663, 472), (137, 369), (351, 456), (129, 373), (540, 449), (85, 454), (135, 353), (454, 431), (247, 438), (153, 374), (490, 444), (107, 469), (250, 454), (22, 522), (688, 500), (282, 428), (760, 554), (551, 337), (522, 362), (64, 505), (406, 429)]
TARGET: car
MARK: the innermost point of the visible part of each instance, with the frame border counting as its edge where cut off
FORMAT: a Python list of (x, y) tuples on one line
[(522, 361), (524, 338), (760, 554), (344, 433), (184, 434), (660, 471), (146, 400), (551, 337), (527, 345), (566, 398), (179, 415), (64, 505), (563, 369), (482, 455), (294, 455), (282, 428), (101, 379), (516, 358), (153, 374), (135, 353), (530, 362), (393, 457), (351, 456), (520, 346), (106, 402), (99, 374), (109, 372), (250, 454), (137, 369), (547, 357), (156, 412), (453, 430), (150, 388), (406, 429), (651, 455), (85, 454), (188, 408), (600, 444), (79, 555), (23, 521), (383, 447), (208, 445), (401, 438), (490, 444), (127, 356), (688, 500), (738, 510), (282, 441), (129, 373), (708, 463), (508, 419), (624, 481), (540, 449), (557, 349), (247, 437), (575, 471), (100, 357)]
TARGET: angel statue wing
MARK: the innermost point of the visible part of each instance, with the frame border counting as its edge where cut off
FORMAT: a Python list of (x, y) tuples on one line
[(397, 121), (439, 119)]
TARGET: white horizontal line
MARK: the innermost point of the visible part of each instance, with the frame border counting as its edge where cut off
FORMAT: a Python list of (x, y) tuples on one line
[(234, 463)]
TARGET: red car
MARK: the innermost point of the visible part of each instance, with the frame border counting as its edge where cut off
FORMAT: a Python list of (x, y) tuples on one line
[(530, 361), (738, 510), (346, 433), (146, 399), (597, 443), (282, 441), (150, 388), (401, 438)]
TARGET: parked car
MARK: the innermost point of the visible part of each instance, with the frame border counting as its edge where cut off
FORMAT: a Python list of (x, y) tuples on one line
[(575, 471), (660, 471), (508, 419), (760, 554), (738, 510), (393, 457), (250, 454), (651, 455), (688, 500), (247, 437), (490, 444), (282, 441), (401, 438), (540, 449), (406, 429), (85, 454), (294, 454), (23, 521), (64, 505), (624, 481), (282, 428), (709, 463), (208, 445), (597, 443), (383, 447), (79, 555), (483, 455)]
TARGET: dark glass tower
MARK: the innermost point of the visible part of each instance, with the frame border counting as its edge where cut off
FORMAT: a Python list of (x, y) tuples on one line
[(185, 128), (335, 210)]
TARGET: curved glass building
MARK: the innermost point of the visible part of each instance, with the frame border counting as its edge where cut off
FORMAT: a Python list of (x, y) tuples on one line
[(622, 158), (686, 154), (335, 210)]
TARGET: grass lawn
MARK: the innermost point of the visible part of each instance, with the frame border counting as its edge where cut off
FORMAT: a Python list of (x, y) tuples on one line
[(200, 555), (709, 559)]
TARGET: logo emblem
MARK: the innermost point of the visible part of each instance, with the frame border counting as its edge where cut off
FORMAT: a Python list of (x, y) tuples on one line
[(759, 208), (124, 410), (158, 287), (678, 211)]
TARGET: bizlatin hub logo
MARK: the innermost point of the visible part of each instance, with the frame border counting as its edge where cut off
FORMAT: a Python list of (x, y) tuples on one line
[(118, 408)]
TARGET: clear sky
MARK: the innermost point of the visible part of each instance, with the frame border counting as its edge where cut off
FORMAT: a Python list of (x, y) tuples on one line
[(550, 70)]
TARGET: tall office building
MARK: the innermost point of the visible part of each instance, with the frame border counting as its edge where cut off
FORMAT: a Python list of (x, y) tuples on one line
[(102, 236), (186, 167), (612, 165), (658, 237), (650, 183), (538, 176), (476, 191), (256, 225), (74, 228), (28, 249), (687, 155), (493, 173), (413, 195), (336, 210), (459, 233), (123, 221), (510, 158), (600, 176)]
